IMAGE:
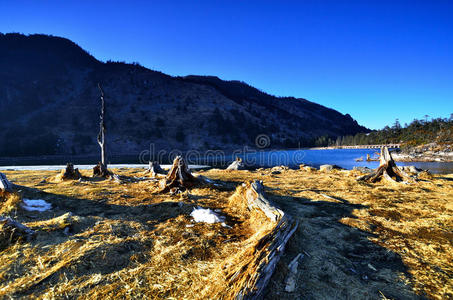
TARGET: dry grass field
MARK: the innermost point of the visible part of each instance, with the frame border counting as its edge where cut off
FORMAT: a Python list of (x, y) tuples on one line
[(357, 240)]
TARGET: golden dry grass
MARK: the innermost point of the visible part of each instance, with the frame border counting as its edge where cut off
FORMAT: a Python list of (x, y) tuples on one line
[(411, 224), (124, 241), (9, 202), (127, 242)]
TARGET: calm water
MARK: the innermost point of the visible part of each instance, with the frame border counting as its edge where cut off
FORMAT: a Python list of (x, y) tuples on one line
[(344, 158)]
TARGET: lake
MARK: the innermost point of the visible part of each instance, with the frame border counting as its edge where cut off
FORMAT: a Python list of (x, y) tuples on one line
[(344, 158)]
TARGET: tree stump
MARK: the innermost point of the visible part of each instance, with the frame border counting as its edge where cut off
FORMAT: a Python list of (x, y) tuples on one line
[(100, 170), (178, 177), (154, 169), (5, 185), (236, 165), (387, 169), (70, 173), (11, 231)]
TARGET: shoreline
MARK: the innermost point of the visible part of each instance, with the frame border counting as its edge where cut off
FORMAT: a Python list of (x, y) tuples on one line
[(415, 155), (427, 156), (423, 157)]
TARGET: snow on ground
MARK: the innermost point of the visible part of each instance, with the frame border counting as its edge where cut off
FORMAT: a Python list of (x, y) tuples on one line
[(36, 205), (206, 215)]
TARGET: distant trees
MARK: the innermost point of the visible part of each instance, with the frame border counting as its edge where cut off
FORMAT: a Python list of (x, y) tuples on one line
[(416, 133)]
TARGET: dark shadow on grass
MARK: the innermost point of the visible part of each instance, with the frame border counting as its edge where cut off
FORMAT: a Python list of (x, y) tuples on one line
[(443, 178), (340, 261)]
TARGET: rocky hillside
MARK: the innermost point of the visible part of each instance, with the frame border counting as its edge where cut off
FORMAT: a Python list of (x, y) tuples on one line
[(49, 104)]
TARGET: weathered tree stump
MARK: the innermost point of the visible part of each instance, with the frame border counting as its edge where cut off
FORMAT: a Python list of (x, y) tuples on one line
[(100, 170), (5, 185), (252, 279), (154, 169), (70, 173), (12, 231), (387, 169), (236, 165), (179, 177)]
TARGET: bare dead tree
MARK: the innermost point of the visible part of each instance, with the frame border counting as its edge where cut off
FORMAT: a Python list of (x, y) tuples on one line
[(101, 168)]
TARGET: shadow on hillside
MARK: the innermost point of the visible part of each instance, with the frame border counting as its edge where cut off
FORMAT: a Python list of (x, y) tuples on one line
[(339, 261)]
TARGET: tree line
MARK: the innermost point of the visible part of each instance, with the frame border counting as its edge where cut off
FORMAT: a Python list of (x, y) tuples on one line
[(418, 132)]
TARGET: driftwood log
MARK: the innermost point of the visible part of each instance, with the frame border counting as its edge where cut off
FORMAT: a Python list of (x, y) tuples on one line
[(5, 185), (236, 165), (387, 169), (269, 249), (11, 231), (70, 173), (154, 169), (178, 177)]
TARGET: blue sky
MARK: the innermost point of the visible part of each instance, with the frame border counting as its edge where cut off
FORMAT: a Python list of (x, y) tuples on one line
[(377, 61)]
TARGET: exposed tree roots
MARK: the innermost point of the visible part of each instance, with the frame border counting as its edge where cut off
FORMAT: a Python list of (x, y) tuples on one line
[(387, 169)]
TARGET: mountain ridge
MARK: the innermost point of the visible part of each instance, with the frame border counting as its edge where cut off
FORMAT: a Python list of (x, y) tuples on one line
[(49, 104)]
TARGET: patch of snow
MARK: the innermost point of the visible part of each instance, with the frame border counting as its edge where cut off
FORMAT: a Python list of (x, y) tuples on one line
[(36, 205), (206, 215)]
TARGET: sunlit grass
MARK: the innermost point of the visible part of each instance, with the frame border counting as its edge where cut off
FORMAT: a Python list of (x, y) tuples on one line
[(127, 241)]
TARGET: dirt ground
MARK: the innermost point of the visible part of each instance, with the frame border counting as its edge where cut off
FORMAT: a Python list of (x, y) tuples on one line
[(357, 240)]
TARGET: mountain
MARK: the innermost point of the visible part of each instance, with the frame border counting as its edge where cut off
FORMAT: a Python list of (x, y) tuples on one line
[(49, 104)]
